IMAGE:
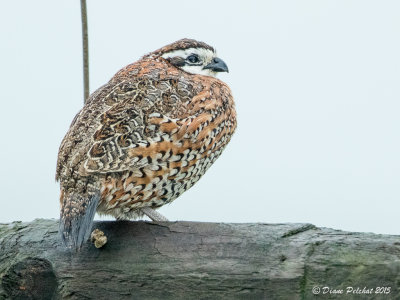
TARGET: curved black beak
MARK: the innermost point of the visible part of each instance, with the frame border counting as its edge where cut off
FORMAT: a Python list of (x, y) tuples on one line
[(217, 65)]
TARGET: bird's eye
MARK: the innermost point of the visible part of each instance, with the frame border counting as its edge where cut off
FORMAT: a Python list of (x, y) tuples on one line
[(193, 58)]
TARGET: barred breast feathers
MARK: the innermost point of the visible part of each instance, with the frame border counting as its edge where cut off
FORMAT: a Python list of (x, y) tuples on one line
[(146, 110)]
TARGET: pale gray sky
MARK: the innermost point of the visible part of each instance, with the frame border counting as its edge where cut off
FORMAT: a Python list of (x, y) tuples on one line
[(316, 85)]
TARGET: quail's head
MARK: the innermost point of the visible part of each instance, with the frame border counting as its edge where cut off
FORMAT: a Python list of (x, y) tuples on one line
[(193, 57)]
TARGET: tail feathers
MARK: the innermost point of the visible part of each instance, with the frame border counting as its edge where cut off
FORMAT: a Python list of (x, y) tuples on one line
[(77, 213)]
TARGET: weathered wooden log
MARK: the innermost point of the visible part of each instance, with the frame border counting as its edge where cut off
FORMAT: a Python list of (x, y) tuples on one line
[(188, 260)]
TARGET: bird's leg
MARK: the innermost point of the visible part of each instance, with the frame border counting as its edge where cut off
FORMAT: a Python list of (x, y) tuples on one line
[(154, 215)]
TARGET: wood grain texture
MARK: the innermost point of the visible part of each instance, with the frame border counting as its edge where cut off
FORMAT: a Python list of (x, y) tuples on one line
[(188, 260)]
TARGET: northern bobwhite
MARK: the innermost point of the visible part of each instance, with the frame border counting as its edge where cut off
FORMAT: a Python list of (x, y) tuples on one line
[(144, 138)]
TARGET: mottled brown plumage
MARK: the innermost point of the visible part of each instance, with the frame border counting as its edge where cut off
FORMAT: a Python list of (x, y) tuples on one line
[(141, 140)]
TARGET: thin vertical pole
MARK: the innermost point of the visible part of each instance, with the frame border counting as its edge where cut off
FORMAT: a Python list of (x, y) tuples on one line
[(85, 50)]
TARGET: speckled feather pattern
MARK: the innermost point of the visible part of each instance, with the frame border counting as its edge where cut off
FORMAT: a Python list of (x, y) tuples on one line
[(144, 138)]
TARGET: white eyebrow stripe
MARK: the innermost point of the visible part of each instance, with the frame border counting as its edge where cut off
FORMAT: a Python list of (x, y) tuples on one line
[(185, 52), (205, 56)]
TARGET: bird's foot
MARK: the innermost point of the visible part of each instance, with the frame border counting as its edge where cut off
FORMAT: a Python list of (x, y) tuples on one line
[(98, 238), (154, 215)]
